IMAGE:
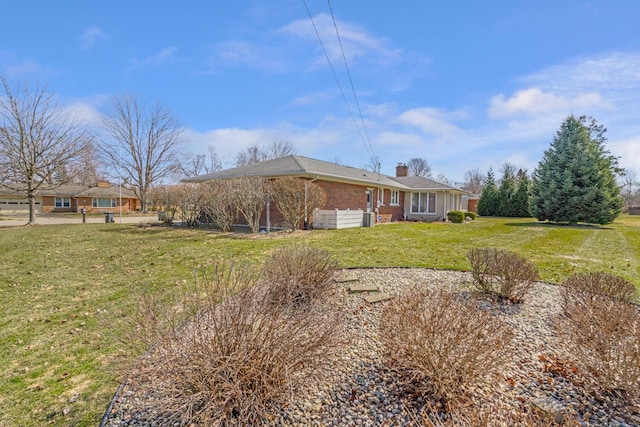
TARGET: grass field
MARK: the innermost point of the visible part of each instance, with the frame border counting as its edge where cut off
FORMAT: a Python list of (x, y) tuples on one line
[(67, 292)]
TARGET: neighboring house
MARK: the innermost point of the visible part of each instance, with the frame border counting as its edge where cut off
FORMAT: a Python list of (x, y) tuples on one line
[(394, 198), (470, 202), (71, 198)]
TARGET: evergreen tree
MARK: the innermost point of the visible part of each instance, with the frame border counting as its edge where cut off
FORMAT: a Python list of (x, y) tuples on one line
[(521, 196), (506, 193), (575, 181), (488, 203)]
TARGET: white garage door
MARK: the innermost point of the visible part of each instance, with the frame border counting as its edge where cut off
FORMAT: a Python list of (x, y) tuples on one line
[(17, 206)]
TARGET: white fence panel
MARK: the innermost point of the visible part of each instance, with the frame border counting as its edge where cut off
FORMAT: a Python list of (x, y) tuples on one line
[(337, 218)]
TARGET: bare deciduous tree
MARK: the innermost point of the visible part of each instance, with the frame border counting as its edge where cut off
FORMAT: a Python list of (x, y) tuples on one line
[(374, 164), (441, 178), (280, 148), (38, 141), (259, 152), (141, 143), (199, 164), (86, 168), (509, 169), (473, 181), (630, 188), (419, 167), (296, 199)]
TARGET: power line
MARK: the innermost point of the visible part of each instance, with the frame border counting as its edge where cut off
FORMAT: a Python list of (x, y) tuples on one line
[(366, 142), (353, 89)]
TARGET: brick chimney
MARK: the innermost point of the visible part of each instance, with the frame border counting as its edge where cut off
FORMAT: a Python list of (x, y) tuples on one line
[(402, 170)]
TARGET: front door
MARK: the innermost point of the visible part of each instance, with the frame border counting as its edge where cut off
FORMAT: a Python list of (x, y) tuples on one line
[(369, 200)]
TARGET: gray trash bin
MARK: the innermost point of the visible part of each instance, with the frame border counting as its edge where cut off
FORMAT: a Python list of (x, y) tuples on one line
[(109, 217)]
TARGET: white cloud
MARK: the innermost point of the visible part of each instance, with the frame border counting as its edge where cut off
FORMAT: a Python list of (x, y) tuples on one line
[(535, 101), (228, 142), (159, 58), (312, 98), (21, 69), (355, 41), (91, 36), (241, 53), (628, 150), (609, 72), (433, 121)]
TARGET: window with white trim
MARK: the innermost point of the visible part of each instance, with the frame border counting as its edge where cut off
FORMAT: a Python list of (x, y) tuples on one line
[(395, 198), (380, 196), (423, 203), (63, 202), (100, 202)]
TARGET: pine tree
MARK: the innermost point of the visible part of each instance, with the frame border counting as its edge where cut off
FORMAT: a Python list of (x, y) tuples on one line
[(488, 203), (521, 196), (575, 181), (505, 194)]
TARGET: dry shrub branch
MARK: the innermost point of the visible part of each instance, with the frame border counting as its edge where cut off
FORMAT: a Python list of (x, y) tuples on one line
[(502, 273), (444, 343), (602, 283), (234, 361), (219, 203), (299, 275), (601, 329), (296, 199), (491, 414)]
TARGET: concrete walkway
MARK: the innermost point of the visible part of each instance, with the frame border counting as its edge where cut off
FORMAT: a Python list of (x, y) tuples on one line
[(49, 219)]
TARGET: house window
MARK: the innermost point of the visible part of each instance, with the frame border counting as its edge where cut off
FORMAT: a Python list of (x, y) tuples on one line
[(453, 201), (395, 198), (63, 202), (99, 202), (423, 203)]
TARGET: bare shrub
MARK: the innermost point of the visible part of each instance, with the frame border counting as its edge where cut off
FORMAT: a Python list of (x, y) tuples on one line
[(250, 198), (190, 200), (219, 203), (166, 200), (299, 275), (602, 283), (232, 362), (502, 273), (601, 330), (443, 342), (489, 414), (296, 199)]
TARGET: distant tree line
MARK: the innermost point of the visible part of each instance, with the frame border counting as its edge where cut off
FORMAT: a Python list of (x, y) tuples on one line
[(510, 198), (574, 182)]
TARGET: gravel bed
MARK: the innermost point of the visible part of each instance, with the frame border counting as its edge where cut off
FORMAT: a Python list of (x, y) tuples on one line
[(359, 389)]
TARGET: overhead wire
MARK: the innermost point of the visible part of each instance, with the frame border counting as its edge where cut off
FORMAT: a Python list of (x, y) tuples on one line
[(366, 142), (353, 89)]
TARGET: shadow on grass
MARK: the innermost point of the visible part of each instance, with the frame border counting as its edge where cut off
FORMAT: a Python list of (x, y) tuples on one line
[(174, 232), (539, 224)]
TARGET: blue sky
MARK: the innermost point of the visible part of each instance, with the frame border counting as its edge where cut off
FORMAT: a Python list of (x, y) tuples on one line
[(462, 84)]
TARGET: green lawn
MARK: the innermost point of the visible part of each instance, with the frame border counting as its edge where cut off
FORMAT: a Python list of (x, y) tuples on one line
[(67, 292)]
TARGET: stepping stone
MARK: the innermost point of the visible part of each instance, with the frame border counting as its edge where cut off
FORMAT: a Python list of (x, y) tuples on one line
[(345, 279), (372, 299), (363, 288), (552, 408)]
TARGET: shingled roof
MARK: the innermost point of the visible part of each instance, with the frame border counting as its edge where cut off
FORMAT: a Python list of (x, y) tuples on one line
[(300, 166)]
